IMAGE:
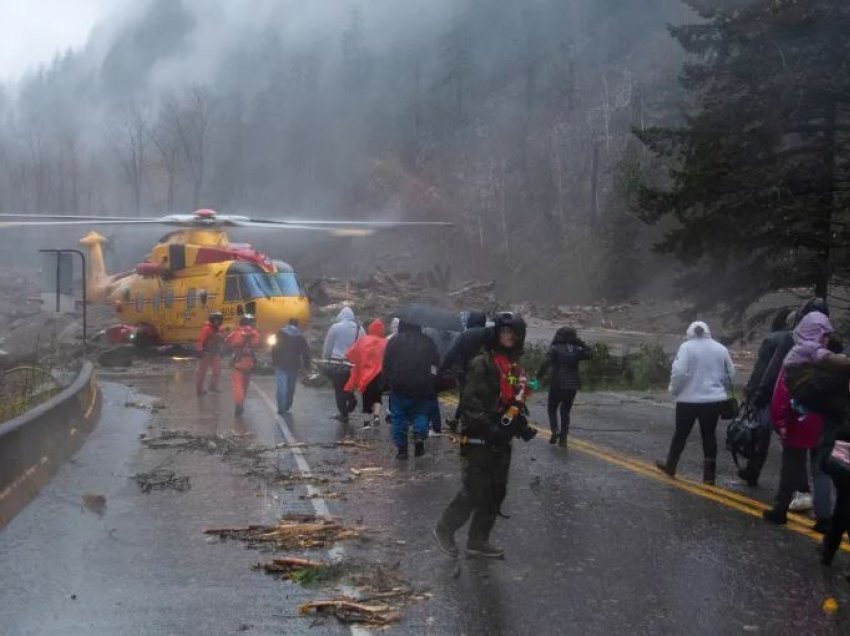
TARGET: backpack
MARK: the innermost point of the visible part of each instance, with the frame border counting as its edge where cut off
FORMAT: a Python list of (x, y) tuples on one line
[(818, 390), (745, 434)]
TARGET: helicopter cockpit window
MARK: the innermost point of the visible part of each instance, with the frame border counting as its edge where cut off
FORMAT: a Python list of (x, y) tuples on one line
[(260, 285), (169, 297), (232, 293), (288, 283), (191, 296), (140, 302)]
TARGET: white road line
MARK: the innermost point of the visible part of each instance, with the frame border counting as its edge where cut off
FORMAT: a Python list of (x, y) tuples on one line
[(337, 552)]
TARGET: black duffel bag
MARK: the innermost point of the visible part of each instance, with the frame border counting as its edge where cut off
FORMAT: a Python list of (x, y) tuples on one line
[(744, 434)]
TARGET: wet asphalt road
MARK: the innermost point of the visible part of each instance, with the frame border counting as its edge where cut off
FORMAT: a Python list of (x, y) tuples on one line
[(592, 546)]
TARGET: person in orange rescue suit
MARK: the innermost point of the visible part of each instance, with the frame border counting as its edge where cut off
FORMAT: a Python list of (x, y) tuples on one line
[(209, 345), (243, 343)]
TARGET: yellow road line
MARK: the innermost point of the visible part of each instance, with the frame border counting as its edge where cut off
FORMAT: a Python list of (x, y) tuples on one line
[(752, 507)]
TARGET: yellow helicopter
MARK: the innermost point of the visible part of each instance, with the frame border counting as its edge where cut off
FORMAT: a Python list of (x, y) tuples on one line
[(196, 270)]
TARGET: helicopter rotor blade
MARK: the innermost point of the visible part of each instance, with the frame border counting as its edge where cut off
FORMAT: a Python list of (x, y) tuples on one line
[(54, 223)]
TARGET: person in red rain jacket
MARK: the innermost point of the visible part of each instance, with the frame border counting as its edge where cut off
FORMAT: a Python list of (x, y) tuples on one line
[(209, 346), (367, 356), (800, 436), (244, 343)]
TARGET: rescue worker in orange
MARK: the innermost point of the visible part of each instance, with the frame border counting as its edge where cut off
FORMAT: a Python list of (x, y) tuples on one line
[(209, 344), (243, 343), (367, 356)]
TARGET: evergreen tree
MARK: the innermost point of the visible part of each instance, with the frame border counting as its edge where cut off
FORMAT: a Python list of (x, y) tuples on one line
[(759, 178)]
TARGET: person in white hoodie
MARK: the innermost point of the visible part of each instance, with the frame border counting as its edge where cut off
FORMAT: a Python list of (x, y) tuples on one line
[(341, 335), (700, 383)]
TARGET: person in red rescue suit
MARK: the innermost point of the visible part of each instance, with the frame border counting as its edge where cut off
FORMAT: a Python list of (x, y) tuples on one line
[(243, 342), (209, 346), (367, 356)]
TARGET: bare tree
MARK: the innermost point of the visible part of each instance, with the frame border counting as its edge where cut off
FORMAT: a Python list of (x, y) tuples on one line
[(130, 135), (191, 118)]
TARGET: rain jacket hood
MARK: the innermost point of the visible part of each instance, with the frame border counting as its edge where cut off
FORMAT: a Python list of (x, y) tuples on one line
[(698, 329), (367, 356), (809, 340), (290, 330), (341, 335)]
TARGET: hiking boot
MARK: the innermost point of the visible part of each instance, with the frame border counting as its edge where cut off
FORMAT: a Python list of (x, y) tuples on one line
[(744, 476), (776, 517), (452, 424), (367, 424), (664, 468), (402, 453), (418, 448), (238, 410), (446, 540), (553, 439), (484, 550), (802, 501), (376, 420), (709, 471), (821, 526)]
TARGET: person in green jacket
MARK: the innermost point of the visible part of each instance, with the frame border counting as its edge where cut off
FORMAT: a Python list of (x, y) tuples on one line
[(492, 414)]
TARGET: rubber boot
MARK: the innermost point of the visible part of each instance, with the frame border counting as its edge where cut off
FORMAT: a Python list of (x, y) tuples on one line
[(562, 440), (709, 471), (418, 447), (402, 452), (554, 438)]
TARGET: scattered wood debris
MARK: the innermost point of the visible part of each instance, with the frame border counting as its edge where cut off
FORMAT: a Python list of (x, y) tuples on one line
[(232, 445), (297, 569), (370, 471), (292, 532), (347, 610), (161, 479)]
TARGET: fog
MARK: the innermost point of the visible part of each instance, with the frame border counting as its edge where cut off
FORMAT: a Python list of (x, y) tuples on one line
[(511, 120)]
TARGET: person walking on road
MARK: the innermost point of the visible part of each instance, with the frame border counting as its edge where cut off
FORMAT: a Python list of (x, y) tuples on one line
[(490, 396), (800, 436), (761, 399), (339, 339), (243, 343), (209, 344), (700, 382), (367, 356), (289, 353), (410, 370), (463, 349), (564, 356)]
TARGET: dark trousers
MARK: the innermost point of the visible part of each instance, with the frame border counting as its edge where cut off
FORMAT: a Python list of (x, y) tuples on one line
[(840, 520), (346, 402), (461, 383), (752, 471), (793, 475), (560, 400), (686, 415), (373, 394), (484, 478)]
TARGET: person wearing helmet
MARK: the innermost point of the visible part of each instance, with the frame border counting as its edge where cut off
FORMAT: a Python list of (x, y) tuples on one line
[(208, 346), (495, 388), (243, 343)]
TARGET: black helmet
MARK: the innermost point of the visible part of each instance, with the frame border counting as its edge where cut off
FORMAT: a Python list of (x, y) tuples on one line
[(216, 317), (247, 319), (514, 322)]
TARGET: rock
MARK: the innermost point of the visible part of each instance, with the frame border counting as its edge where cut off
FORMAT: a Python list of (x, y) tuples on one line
[(117, 357)]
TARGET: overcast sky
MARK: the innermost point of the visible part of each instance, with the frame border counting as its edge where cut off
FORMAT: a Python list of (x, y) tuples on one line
[(32, 31)]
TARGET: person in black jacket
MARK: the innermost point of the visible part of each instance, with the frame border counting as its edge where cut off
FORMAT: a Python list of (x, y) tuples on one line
[(780, 331), (410, 367), (288, 354), (465, 347), (564, 356)]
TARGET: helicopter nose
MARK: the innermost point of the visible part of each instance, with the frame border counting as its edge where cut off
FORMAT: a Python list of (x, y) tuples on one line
[(274, 313)]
